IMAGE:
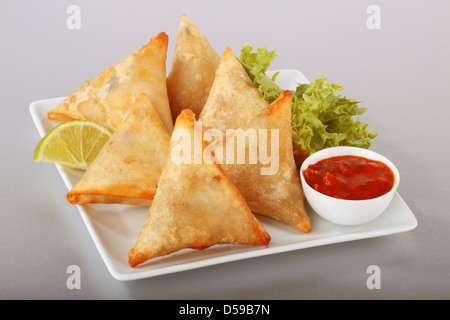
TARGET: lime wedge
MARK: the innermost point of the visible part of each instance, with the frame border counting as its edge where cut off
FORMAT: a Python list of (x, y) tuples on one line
[(74, 144)]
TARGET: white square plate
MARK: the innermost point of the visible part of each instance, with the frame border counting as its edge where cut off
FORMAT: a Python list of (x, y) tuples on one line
[(114, 228)]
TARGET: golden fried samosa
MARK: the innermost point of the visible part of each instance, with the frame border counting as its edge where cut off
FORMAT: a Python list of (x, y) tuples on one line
[(234, 99), (107, 97), (271, 187), (193, 69), (128, 167), (196, 205)]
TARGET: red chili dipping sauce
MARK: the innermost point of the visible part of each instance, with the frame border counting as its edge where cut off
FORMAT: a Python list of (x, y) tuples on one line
[(350, 177)]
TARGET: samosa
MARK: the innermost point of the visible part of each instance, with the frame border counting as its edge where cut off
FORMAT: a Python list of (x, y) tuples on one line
[(107, 97), (128, 168), (235, 103), (234, 99), (271, 189), (196, 205), (193, 69)]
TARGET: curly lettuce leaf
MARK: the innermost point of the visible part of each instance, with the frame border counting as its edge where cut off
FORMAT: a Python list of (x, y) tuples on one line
[(256, 64), (320, 117)]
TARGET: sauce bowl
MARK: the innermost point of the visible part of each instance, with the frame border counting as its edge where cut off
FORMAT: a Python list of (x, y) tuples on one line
[(347, 212)]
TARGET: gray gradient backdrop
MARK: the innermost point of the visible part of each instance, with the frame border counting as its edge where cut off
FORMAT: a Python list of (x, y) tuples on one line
[(401, 72)]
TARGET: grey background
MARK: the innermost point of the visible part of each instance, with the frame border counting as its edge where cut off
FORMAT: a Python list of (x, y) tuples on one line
[(401, 72)]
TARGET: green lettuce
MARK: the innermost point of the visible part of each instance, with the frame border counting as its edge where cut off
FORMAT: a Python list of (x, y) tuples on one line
[(321, 118), (256, 64)]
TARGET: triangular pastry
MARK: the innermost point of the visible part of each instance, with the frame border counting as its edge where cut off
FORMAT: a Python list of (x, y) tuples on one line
[(234, 99), (107, 97), (196, 205), (193, 69), (128, 167), (271, 189)]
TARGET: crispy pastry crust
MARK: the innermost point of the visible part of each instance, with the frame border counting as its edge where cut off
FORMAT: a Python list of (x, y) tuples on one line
[(196, 206), (235, 103), (233, 100), (279, 195), (193, 69), (128, 167), (107, 97)]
